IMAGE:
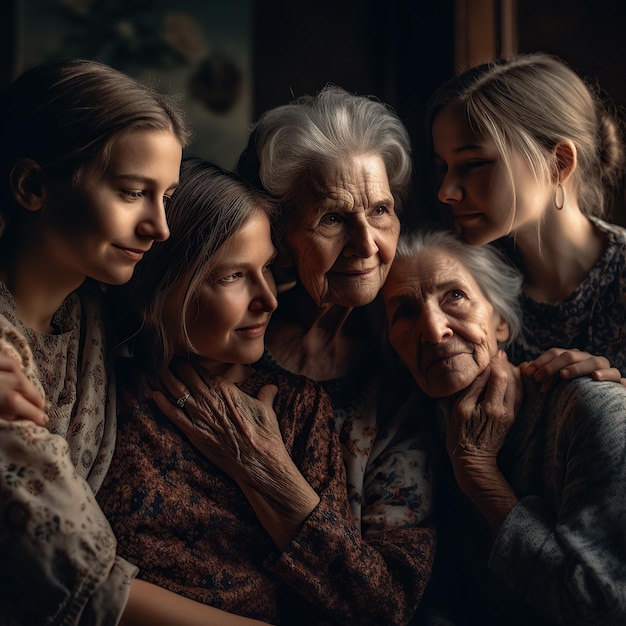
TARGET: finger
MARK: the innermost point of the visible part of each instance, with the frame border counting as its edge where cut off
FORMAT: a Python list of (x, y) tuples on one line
[(172, 412), (468, 399), (609, 373), (267, 395), (12, 378), (543, 359), (587, 367), (14, 405)]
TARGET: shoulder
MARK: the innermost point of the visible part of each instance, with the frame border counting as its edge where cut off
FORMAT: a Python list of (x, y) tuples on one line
[(616, 233), (589, 412)]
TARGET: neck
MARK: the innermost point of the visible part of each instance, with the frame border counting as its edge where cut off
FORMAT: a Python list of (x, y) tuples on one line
[(319, 342), (559, 257), (232, 372), (37, 286)]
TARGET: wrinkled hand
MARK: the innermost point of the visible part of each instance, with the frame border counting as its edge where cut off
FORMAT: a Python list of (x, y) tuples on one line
[(241, 436), (483, 414), (476, 430), (557, 363), (229, 427), (19, 398)]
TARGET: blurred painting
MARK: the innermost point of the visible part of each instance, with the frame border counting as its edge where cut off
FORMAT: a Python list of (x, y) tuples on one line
[(198, 49)]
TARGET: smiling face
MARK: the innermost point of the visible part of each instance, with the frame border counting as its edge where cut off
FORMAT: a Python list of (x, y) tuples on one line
[(343, 233), (440, 324), (486, 200), (104, 224), (228, 315)]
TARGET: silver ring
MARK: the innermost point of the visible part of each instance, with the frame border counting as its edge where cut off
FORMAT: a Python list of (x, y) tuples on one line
[(181, 401)]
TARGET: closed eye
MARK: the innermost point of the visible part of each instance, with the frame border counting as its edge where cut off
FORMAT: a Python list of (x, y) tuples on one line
[(133, 193), (403, 312)]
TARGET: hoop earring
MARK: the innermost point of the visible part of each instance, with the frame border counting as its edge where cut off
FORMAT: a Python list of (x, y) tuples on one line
[(559, 196)]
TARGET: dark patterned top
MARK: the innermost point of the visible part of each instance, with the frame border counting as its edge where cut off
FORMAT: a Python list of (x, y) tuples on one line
[(190, 529), (593, 318)]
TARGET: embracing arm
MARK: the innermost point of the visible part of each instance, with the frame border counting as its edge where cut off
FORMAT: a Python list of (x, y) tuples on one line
[(149, 605), (325, 560), (241, 436), (570, 363)]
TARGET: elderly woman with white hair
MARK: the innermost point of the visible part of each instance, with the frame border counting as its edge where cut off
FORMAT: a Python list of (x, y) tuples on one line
[(537, 520)]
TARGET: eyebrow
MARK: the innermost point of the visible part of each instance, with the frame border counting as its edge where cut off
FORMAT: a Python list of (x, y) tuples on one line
[(233, 267), (446, 285), (146, 180)]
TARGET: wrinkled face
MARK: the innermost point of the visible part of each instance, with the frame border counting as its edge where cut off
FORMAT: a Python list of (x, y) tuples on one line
[(103, 225), (440, 323), (343, 233), (487, 203), (227, 318)]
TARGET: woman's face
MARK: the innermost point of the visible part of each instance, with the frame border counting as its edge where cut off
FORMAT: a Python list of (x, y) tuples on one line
[(440, 323), (228, 315), (343, 233), (104, 224), (487, 202)]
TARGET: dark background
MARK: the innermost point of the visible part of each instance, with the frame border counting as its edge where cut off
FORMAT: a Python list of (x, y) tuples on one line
[(400, 51)]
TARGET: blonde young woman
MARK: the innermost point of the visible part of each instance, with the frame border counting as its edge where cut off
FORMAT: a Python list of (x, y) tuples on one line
[(527, 154)]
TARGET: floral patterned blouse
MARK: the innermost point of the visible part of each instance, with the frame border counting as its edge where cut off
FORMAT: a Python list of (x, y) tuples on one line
[(593, 318), (190, 528), (58, 561)]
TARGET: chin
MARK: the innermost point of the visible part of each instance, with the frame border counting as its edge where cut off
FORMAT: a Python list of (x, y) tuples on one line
[(442, 388)]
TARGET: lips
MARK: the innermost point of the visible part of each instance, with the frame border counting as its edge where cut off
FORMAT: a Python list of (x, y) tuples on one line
[(254, 331), (434, 357), (463, 217), (132, 250), (356, 272)]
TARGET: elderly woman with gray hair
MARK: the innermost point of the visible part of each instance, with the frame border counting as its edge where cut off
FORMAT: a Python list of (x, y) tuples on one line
[(539, 510)]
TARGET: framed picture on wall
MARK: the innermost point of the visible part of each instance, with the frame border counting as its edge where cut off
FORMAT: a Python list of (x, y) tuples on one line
[(197, 49)]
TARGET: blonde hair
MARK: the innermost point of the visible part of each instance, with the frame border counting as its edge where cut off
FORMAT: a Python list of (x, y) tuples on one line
[(532, 102)]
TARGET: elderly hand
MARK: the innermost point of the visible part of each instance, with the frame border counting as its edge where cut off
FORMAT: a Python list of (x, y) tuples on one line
[(484, 412), (241, 436), (475, 432), (19, 398), (571, 363), (229, 427)]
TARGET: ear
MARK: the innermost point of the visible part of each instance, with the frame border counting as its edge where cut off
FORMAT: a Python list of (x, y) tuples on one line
[(566, 160), (502, 330), (26, 184)]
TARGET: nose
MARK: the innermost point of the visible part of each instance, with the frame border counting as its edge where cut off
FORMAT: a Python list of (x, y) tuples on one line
[(433, 326), (361, 240), (265, 297), (450, 189), (154, 225)]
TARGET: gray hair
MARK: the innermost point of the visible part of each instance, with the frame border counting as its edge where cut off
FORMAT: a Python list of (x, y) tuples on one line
[(289, 140), (532, 102), (500, 282)]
